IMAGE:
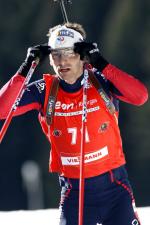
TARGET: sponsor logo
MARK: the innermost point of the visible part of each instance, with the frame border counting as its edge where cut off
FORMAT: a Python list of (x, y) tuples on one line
[(104, 127), (103, 76), (63, 106), (104, 97), (67, 33), (60, 40), (135, 222), (93, 156), (40, 86), (15, 105), (76, 112), (57, 133), (50, 106)]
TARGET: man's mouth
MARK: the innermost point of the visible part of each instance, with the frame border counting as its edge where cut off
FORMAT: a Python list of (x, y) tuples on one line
[(64, 70)]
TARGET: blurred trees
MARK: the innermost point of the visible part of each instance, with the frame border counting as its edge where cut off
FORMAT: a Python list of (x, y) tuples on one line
[(122, 29), (126, 43)]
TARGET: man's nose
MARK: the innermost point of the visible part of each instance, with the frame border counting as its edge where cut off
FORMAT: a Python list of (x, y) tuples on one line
[(62, 58)]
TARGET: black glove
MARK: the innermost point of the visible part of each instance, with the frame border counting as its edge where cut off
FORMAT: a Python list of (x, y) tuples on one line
[(38, 51), (90, 52)]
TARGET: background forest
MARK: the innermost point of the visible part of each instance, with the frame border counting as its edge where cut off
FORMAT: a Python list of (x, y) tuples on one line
[(122, 31)]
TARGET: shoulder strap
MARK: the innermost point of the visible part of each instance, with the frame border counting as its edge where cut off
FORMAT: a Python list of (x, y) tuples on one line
[(50, 109), (109, 104)]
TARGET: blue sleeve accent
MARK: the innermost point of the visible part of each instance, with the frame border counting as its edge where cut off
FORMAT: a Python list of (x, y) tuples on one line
[(108, 88), (107, 85), (34, 93)]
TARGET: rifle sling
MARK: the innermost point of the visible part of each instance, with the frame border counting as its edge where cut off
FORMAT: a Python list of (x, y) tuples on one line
[(109, 104), (50, 109)]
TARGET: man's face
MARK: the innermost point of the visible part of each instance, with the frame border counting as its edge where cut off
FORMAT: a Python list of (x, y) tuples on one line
[(66, 64)]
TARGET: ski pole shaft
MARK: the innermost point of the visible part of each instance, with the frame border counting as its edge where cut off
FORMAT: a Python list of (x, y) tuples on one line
[(81, 184), (82, 153), (62, 5), (63, 9), (17, 100)]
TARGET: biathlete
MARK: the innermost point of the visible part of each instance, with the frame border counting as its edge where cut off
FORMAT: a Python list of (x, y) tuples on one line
[(109, 198)]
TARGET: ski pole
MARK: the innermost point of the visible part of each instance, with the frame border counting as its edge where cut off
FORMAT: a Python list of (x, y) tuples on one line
[(84, 120), (63, 9), (84, 115), (18, 99)]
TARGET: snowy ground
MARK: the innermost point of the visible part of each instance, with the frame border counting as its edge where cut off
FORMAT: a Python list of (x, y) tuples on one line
[(50, 217)]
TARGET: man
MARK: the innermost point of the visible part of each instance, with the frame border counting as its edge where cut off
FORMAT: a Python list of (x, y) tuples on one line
[(108, 195)]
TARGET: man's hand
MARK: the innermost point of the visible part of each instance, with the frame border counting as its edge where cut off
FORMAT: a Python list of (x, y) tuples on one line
[(38, 51), (89, 51)]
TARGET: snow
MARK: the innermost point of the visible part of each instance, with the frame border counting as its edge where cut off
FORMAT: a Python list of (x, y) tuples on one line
[(49, 216)]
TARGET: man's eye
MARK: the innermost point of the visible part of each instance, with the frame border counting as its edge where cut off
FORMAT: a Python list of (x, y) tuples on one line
[(65, 53)]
